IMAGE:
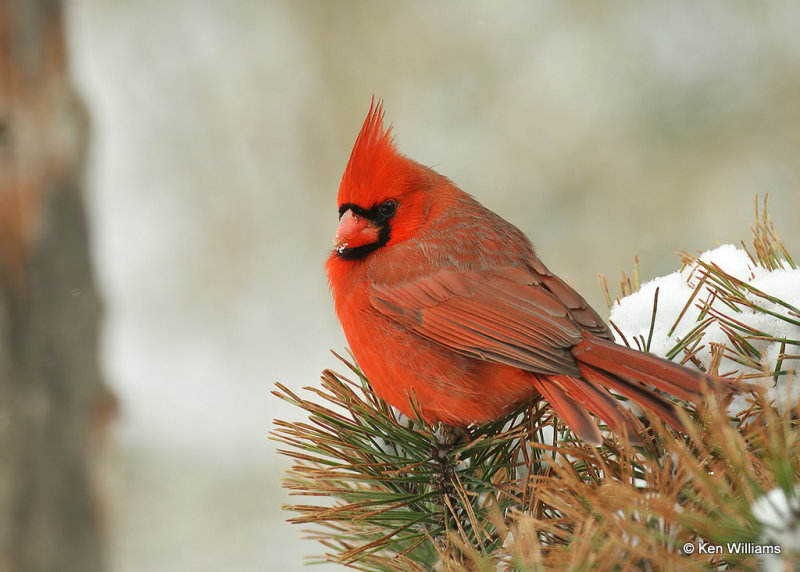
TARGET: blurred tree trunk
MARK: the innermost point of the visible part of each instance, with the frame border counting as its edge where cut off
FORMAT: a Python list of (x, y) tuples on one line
[(53, 405)]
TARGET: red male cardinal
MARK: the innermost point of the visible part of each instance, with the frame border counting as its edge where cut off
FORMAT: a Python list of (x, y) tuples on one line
[(443, 299)]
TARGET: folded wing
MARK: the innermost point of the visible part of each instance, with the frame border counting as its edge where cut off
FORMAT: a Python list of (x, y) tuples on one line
[(507, 315)]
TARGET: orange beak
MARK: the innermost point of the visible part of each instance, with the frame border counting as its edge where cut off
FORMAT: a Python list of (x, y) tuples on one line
[(354, 231)]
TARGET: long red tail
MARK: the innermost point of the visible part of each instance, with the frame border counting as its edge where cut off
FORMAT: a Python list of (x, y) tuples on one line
[(606, 366)]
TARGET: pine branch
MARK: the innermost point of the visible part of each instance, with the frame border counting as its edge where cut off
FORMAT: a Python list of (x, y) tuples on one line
[(387, 493), (400, 485)]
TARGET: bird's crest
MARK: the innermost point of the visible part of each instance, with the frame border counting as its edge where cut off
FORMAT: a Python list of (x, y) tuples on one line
[(374, 159)]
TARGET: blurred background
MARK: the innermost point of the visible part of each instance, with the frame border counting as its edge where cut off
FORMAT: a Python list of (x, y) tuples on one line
[(218, 134)]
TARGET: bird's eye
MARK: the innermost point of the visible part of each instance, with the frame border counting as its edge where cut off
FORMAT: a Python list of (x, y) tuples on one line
[(388, 208)]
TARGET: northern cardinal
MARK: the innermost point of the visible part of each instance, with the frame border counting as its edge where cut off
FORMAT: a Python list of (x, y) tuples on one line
[(442, 299)]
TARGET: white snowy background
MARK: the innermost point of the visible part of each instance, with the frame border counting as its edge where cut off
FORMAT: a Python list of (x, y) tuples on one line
[(220, 131), (632, 316), (777, 513)]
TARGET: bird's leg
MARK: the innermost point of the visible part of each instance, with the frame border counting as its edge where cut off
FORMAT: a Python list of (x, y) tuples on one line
[(449, 435), (446, 437)]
